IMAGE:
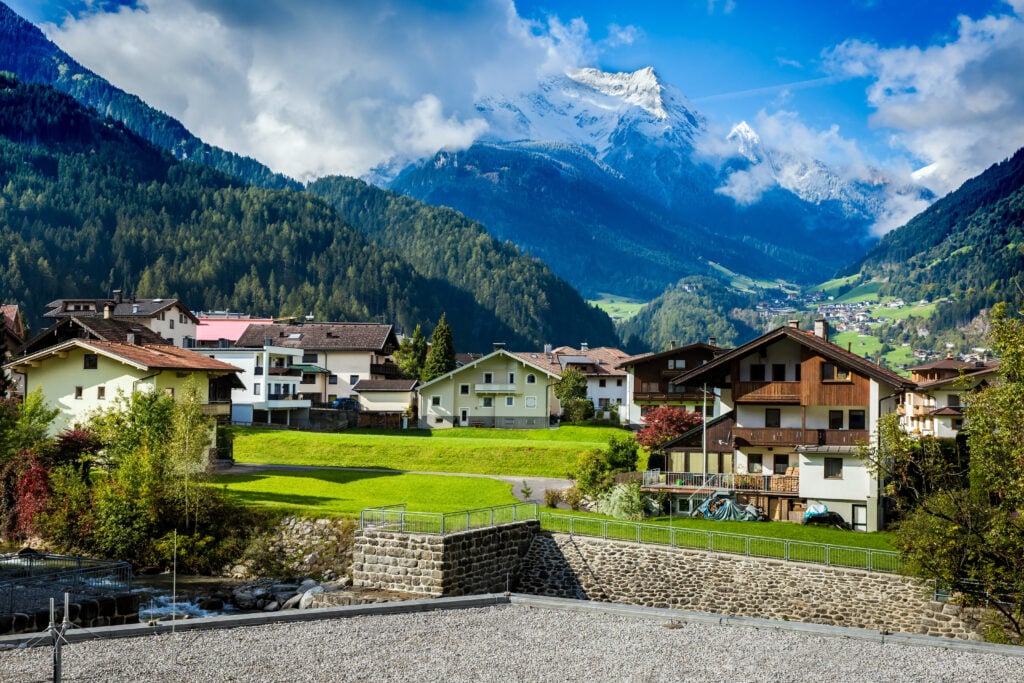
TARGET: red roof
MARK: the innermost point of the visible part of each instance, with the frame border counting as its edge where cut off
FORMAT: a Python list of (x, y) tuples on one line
[(214, 329)]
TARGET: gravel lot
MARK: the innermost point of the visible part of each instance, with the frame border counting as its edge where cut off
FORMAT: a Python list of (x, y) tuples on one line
[(501, 643)]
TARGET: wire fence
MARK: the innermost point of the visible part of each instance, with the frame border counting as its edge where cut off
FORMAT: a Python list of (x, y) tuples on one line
[(28, 581), (398, 518), (885, 561)]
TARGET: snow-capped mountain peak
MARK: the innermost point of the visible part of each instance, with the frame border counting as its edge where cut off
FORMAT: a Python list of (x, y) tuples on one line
[(747, 141), (640, 88)]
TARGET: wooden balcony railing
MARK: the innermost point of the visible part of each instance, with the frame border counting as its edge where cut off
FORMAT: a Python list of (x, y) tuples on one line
[(216, 408), (668, 397), (745, 436), (766, 392)]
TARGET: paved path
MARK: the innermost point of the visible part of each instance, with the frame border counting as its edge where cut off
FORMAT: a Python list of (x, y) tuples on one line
[(537, 484)]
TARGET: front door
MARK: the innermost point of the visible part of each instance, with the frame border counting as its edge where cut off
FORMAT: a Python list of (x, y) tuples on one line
[(464, 417), (860, 517)]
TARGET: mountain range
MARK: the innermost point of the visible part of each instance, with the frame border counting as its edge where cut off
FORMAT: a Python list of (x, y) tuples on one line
[(595, 181)]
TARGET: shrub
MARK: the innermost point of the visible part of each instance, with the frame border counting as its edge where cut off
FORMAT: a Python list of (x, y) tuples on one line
[(577, 410), (552, 497), (623, 501), (573, 497)]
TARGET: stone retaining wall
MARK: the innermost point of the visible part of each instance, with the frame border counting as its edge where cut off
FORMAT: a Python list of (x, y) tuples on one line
[(477, 561), (560, 565), (106, 611)]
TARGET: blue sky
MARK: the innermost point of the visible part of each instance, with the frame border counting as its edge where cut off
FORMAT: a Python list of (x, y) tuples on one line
[(312, 87)]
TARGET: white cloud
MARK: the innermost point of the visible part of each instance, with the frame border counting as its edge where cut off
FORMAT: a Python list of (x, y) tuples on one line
[(314, 87), (957, 107), (624, 35)]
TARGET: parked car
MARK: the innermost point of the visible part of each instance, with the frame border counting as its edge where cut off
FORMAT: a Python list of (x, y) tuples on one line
[(345, 404)]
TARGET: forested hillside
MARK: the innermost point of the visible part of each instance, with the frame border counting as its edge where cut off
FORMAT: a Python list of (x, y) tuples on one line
[(87, 206), (443, 244), (968, 246), (27, 53)]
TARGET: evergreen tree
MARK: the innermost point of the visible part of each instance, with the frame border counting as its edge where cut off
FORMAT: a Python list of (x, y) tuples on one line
[(441, 357), (412, 353)]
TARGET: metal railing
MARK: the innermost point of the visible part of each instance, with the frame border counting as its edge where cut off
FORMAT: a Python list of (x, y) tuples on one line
[(885, 561), (711, 481), (398, 518), (29, 581)]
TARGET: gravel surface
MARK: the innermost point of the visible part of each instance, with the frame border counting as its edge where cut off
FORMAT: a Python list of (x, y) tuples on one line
[(503, 643)]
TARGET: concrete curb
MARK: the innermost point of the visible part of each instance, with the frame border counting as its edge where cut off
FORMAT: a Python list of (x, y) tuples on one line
[(490, 599)]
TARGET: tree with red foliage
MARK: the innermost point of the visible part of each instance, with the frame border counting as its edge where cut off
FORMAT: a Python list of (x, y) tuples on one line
[(665, 423)]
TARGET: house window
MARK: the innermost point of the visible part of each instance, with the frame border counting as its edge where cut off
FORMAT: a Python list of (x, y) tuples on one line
[(796, 372), (603, 402), (438, 420), (531, 401), (677, 364), (531, 379), (602, 383), (78, 392), (170, 340), (332, 379), (352, 379), (170, 324), (511, 378), (857, 420), (757, 372), (464, 390), (488, 378), (90, 361), (833, 468), (958, 423), (162, 316), (754, 461), (101, 393), (308, 378), (778, 372), (835, 419), (781, 464), (435, 400), (488, 402), (181, 318), (310, 358), (256, 389), (953, 401), (618, 382), (510, 401), (830, 372), (773, 418)]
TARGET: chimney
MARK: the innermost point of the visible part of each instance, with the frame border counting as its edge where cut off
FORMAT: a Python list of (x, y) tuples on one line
[(498, 346), (672, 344), (117, 296), (132, 339), (135, 308), (107, 310), (547, 349), (795, 324), (711, 341), (821, 328), (584, 347)]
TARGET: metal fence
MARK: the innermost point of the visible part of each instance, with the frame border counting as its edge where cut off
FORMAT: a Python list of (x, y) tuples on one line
[(713, 541), (397, 518), (28, 581)]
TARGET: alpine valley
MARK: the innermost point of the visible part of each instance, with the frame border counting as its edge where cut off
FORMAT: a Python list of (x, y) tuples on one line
[(589, 183)]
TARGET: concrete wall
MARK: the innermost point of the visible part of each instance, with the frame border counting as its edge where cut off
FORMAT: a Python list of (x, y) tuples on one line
[(477, 561), (594, 569)]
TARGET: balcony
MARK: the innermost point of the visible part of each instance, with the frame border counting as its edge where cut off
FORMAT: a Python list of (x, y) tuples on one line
[(766, 392), (744, 436), (216, 408), (385, 370), (784, 484), (669, 397), (495, 388)]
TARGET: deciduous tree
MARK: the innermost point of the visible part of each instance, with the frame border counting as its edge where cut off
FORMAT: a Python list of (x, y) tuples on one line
[(665, 423)]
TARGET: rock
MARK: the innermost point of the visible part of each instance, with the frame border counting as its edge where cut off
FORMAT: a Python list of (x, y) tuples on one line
[(292, 602), (272, 606), (210, 604), (307, 597), (244, 599)]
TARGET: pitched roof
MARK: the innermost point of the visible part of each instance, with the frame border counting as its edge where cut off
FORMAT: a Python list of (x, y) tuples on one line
[(11, 316), (371, 385), (602, 361), (524, 358), (805, 338), (119, 308), (144, 357), (214, 329), (97, 328), (986, 369), (323, 336), (715, 350)]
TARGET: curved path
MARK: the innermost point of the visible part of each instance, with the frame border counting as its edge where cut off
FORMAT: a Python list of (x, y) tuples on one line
[(537, 484)]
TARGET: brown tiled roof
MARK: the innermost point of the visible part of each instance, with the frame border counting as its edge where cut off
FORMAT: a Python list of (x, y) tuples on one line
[(163, 357), (603, 360), (322, 336), (365, 385), (988, 368), (668, 353), (956, 412), (805, 338), (12, 319), (944, 364)]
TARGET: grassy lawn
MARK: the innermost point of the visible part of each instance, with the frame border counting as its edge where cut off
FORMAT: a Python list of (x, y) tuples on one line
[(618, 307), (528, 452), (334, 493), (865, 292)]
